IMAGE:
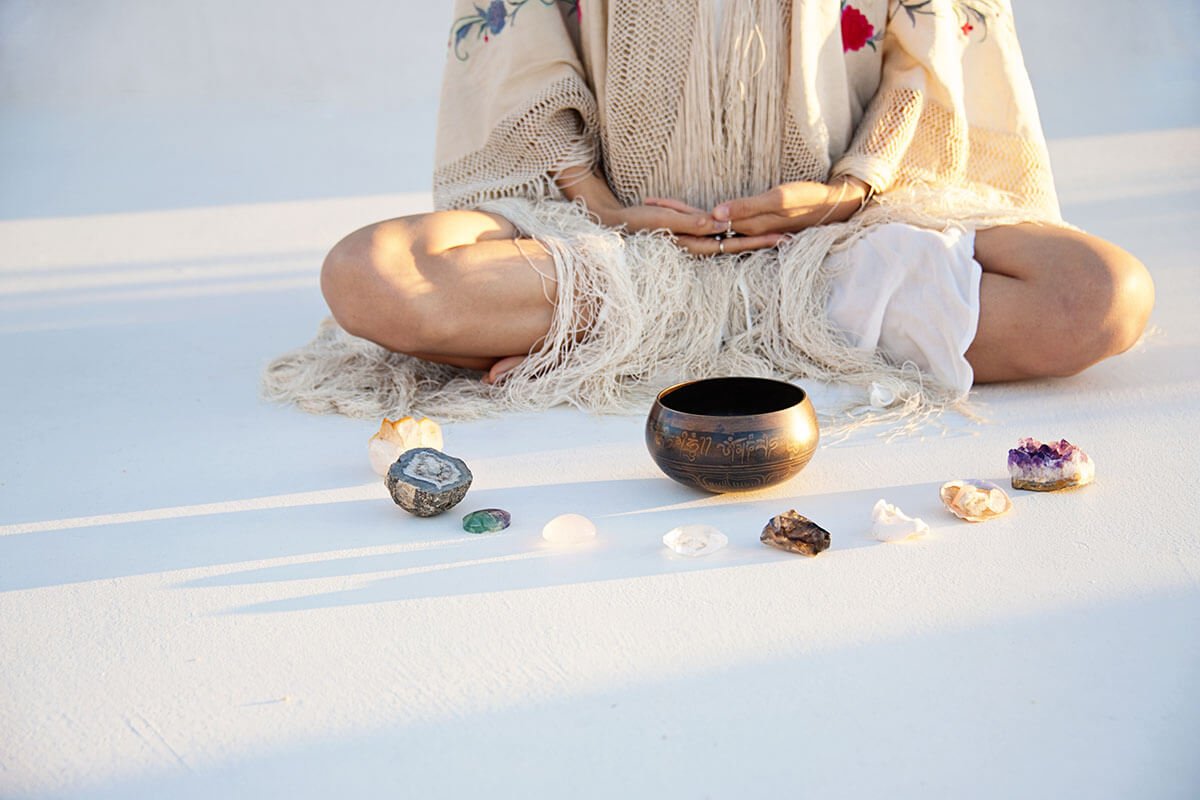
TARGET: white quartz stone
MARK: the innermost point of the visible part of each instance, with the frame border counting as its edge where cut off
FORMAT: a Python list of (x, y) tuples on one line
[(890, 524), (569, 529), (695, 540), (382, 454), (396, 437), (881, 396)]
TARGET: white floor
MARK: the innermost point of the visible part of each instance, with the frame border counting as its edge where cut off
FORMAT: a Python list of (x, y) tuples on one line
[(205, 596)]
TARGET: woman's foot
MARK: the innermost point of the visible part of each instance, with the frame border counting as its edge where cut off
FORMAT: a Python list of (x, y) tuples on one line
[(502, 368)]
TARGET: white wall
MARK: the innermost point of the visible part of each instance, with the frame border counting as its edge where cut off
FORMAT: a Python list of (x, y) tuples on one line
[(1112, 66), (132, 104), (348, 55)]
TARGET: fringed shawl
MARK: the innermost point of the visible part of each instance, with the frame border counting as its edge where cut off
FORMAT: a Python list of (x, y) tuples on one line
[(925, 100), (902, 93)]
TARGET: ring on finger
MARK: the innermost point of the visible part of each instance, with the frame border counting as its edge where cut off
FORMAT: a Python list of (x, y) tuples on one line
[(729, 228), (721, 246)]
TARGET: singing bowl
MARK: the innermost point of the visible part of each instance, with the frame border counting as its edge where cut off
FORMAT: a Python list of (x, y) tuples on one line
[(732, 434)]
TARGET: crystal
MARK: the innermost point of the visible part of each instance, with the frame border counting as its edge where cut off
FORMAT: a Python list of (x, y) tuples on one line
[(487, 520), (1047, 467), (890, 524), (795, 533), (975, 500), (425, 482), (569, 529), (695, 540), (882, 395), (395, 437)]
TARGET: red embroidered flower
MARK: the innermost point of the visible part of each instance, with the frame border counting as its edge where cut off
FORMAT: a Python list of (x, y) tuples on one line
[(856, 29), (966, 29)]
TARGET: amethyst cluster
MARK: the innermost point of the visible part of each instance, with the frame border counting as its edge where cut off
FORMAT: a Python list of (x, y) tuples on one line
[(1047, 467)]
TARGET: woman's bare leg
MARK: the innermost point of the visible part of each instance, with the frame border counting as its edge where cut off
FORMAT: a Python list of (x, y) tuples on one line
[(460, 287), (1053, 302), (456, 287)]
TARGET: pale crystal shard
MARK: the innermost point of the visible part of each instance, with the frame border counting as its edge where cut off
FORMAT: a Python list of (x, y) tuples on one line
[(882, 396), (404, 432), (695, 540), (890, 524), (383, 453), (428, 434), (975, 500), (569, 529), (394, 438)]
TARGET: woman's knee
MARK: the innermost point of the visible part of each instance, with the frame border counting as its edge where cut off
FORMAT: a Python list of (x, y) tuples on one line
[(373, 282), (1106, 298), (1062, 300), (1133, 300)]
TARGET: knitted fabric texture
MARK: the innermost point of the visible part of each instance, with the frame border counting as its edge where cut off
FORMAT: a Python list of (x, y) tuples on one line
[(639, 90)]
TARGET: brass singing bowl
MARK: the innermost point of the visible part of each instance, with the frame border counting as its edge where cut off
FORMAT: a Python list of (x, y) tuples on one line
[(732, 434)]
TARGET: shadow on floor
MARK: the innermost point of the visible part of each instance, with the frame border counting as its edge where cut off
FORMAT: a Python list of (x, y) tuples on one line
[(1078, 702), (631, 517)]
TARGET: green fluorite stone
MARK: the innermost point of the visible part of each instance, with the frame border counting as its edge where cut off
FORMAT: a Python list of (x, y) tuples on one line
[(489, 520)]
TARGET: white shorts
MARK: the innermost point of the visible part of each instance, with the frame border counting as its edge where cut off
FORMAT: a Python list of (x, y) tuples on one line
[(913, 294)]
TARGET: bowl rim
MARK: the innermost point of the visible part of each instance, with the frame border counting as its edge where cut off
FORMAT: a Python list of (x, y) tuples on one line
[(801, 400)]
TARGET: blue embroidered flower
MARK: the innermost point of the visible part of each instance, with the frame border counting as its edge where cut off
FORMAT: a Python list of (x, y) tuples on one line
[(488, 22), (496, 15), (461, 34)]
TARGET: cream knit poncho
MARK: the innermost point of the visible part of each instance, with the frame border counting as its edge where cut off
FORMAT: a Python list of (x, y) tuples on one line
[(925, 100)]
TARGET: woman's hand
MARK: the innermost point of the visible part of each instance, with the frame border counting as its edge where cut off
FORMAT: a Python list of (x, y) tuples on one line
[(759, 222), (792, 207), (712, 239), (693, 229), (766, 219)]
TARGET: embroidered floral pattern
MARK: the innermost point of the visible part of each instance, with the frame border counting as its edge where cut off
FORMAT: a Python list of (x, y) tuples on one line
[(973, 15), (857, 30), (488, 22)]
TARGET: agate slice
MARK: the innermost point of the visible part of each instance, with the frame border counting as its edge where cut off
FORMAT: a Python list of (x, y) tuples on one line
[(425, 482), (890, 524), (975, 501), (395, 437), (1048, 467), (795, 533)]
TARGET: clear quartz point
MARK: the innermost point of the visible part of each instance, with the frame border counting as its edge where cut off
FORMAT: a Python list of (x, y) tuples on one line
[(695, 540)]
